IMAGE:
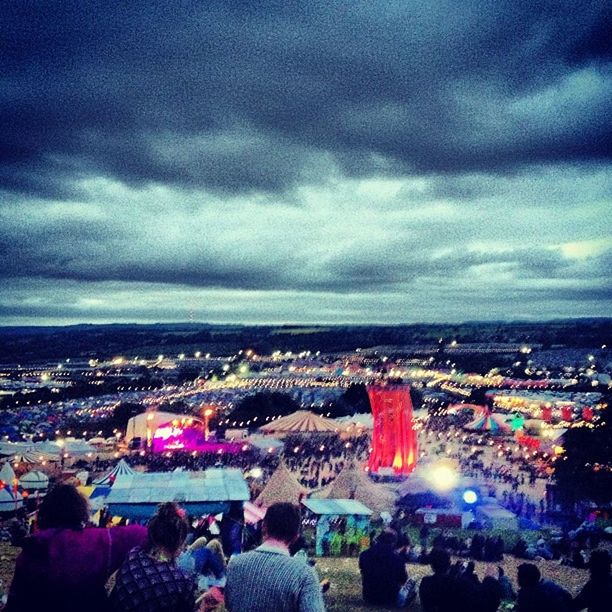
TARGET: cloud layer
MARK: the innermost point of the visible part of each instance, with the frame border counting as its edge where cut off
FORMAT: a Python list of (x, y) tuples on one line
[(383, 161)]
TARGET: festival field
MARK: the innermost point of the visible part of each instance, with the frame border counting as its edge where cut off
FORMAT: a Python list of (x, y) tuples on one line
[(345, 592)]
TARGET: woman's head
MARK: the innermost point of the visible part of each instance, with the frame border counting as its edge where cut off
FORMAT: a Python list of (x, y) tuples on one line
[(168, 529), (63, 507)]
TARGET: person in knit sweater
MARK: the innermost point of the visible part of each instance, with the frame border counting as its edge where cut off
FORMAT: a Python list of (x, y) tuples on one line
[(268, 578)]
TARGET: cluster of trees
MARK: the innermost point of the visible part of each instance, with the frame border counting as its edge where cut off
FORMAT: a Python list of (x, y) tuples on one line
[(584, 471), (270, 404)]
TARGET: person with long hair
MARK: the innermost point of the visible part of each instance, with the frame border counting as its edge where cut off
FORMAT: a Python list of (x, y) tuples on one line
[(216, 549), (66, 563), (150, 579)]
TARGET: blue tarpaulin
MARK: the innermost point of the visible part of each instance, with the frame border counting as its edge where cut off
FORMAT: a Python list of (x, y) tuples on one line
[(338, 507), (136, 496)]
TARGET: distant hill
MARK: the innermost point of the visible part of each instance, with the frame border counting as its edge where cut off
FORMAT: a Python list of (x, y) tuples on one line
[(27, 344)]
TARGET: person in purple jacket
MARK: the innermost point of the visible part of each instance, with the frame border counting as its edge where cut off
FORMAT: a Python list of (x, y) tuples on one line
[(66, 564)]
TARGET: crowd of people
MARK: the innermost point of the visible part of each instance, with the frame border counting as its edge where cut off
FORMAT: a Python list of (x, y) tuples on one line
[(455, 587), (176, 564), (515, 477), (66, 563)]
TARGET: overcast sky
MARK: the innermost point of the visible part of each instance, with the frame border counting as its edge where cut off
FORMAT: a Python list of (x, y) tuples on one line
[(303, 162)]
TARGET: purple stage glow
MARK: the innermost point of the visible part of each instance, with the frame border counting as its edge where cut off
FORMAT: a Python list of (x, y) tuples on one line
[(189, 438)]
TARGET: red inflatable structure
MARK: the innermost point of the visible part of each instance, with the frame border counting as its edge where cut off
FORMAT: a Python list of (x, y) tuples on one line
[(394, 441)]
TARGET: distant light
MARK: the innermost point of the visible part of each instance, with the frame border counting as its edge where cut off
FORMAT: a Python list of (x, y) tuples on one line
[(443, 477), (256, 472), (470, 497)]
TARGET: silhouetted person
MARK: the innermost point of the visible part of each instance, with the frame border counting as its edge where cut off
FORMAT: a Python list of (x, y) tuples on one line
[(507, 590), (438, 593), (491, 594), (383, 572), (596, 595), (537, 595)]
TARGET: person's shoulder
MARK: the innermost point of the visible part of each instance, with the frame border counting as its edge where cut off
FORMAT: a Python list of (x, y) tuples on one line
[(126, 531), (242, 559)]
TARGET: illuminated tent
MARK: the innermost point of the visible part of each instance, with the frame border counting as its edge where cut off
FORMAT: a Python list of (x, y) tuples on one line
[(283, 486), (78, 447), (326, 512), (493, 423), (7, 474), (302, 421), (355, 425), (121, 469), (34, 481), (48, 448), (457, 408), (353, 483), (136, 496), (414, 485), (416, 491), (141, 424), (496, 517), (365, 421), (30, 457), (97, 441), (265, 443), (14, 448), (10, 500)]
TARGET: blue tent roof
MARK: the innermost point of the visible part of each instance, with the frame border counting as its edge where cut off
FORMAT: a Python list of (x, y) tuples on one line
[(336, 506), (137, 495)]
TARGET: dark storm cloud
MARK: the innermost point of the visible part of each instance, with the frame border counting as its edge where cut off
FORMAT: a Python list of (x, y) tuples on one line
[(297, 161), (239, 99)]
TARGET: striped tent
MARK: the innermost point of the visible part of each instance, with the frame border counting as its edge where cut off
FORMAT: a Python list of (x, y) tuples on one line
[(30, 457), (7, 473), (10, 500), (48, 448), (283, 486), (302, 421), (34, 481), (493, 423), (458, 408), (13, 448), (121, 469)]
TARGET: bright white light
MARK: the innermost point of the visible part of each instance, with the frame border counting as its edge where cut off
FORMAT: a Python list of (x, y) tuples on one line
[(443, 477), (470, 497), (256, 472)]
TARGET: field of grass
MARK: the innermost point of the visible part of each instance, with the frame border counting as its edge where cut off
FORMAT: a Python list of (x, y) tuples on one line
[(345, 592)]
